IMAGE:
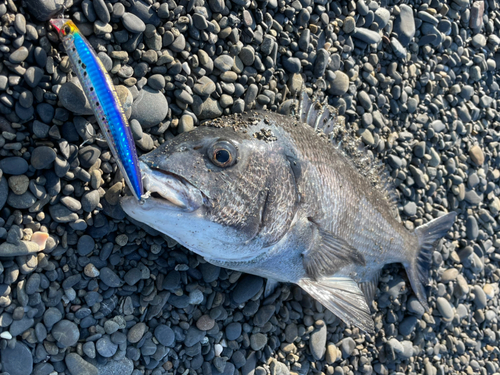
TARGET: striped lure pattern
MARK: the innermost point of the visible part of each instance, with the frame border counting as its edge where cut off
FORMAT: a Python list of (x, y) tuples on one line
[(101, 93)]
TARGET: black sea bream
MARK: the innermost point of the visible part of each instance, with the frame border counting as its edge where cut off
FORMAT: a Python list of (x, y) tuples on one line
[(265, 194)]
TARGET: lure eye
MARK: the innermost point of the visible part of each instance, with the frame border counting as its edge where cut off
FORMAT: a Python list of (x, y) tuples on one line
[(66, 30), (223, 154)]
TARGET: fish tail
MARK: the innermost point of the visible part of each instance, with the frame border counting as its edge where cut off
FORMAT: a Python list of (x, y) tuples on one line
[(418, 267)]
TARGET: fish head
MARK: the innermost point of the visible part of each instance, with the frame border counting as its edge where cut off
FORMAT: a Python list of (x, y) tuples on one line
[(215, 191)]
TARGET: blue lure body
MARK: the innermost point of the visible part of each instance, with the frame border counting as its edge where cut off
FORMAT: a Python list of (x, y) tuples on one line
[(101, 93)]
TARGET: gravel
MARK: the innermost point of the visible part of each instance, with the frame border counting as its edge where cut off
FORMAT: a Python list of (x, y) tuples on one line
[(417, 82)]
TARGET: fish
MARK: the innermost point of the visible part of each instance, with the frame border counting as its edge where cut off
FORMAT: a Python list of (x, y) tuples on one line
[(103, 99), (271, 195)]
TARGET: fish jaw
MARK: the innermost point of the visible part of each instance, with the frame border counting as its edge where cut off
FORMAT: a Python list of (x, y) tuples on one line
[(175, 190)]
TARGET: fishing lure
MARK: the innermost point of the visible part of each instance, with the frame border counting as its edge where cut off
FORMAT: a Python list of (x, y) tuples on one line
[(101, 93)]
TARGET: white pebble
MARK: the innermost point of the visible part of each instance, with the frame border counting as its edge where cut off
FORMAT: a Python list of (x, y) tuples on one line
[(6, 335), (218, 349)]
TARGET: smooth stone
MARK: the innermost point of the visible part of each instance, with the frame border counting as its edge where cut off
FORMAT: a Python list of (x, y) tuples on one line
[(224, 63), (258, 341), (317, 342), (207, 108), (124, 366), (19, 249), (62, 214), (404, 25), (42, 157), (150, 107), (14, 165), (164, 335), (66, 333), (248, 286), (233, 331), (78, 366), (133, 23), (476, 154), (347, 346), (88, 155), (73, 98), (23, 201), (445, 308), (136, 332), (110, 278), (106, 347), (366, 35), (340, 84), (17, 360)]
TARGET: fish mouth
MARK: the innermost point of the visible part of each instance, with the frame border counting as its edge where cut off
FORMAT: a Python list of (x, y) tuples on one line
[(170, 189)]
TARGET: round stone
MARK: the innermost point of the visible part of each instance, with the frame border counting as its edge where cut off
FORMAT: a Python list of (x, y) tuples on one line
[(66, 333), (133, 23), (17, 360), (340, 84), (106, 347), (149, 108), (42, 157), (164, 335), (136, 332), (205, 323)]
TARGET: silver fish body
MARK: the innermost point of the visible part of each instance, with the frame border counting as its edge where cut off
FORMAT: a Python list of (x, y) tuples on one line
[(262, 193)]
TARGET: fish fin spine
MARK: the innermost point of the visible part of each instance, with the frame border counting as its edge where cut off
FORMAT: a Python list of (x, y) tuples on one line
[(427, 236)]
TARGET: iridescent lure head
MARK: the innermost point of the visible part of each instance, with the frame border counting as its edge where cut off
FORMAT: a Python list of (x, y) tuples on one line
[(64, 27)]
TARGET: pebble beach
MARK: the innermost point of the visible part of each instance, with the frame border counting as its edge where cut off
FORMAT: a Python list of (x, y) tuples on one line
[(417, 81)]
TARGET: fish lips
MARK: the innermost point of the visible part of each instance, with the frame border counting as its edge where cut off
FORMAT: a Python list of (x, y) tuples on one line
[(167, 188)]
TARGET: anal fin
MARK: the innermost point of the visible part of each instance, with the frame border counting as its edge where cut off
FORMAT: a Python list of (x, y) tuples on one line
[(343, 297)]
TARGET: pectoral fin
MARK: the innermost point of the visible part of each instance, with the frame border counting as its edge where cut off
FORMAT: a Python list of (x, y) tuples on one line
[(342, 296), (328, 254)]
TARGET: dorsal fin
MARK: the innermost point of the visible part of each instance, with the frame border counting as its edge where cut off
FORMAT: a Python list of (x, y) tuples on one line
[(325, 120)]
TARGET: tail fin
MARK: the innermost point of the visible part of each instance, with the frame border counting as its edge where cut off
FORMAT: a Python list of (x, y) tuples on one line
[(427, 236)]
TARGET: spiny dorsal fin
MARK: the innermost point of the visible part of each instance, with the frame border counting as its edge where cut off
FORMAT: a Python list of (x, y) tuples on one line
[(342, 296), (324, 119)]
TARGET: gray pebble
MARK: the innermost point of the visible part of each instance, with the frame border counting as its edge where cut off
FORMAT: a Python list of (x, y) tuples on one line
[(106, 347), (317, 342), (133, 23), (110, 278), (150, 107), (14, 165), (136, 332), (17, 360), (164, 335), (248, 286), (66, 333), (445, 308), (78, 366)]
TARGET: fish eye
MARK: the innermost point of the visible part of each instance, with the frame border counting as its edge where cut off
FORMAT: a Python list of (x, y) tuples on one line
[(66, 30), (223, 154)]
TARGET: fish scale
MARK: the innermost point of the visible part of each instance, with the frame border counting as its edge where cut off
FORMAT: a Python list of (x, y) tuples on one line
[(103, 99)]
